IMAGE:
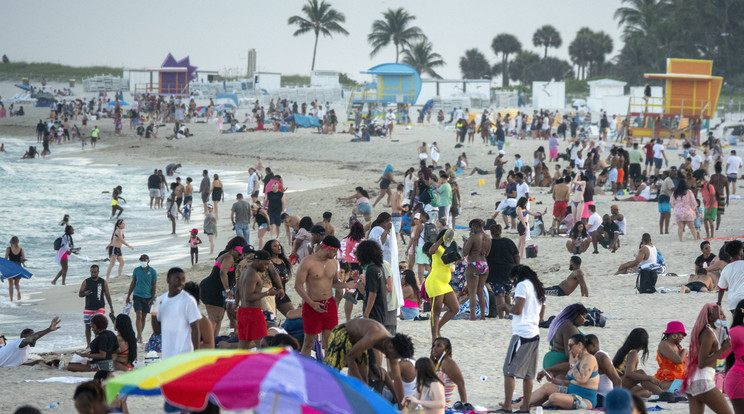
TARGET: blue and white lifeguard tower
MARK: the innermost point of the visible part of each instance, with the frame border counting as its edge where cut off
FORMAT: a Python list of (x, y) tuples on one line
[(396, 84)]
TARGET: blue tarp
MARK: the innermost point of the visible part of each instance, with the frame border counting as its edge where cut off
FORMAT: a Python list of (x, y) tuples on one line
[(306, 121)]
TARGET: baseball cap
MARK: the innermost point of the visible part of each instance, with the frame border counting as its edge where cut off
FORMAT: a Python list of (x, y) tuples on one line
[(261, 255), (502, 152), (210, 205), (144, 257), (317, 229)]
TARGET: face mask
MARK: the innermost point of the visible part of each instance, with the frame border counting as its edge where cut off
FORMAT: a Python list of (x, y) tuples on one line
[(143, 264), (720, 323)]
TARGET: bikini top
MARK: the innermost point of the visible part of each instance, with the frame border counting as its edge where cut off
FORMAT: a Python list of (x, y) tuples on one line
[(220, 266), (570, 376)]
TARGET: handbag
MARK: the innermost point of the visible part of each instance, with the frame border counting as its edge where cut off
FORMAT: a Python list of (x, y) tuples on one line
[(451, 254)]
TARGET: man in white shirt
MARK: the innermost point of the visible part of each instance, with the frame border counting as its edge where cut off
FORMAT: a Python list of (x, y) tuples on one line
[(389, 122), (253, 185), (521, 355), (733, 163), (695, 160), (523, 190), (732, 276), (15, 353), (178, 317), (594, 220), (659, 156)]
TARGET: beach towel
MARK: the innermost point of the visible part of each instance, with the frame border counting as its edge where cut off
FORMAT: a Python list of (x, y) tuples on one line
[(64, 380), (306, 121)]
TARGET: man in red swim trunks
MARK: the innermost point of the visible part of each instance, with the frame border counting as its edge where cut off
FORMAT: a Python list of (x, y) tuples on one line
[(316, 278), (251, 321)]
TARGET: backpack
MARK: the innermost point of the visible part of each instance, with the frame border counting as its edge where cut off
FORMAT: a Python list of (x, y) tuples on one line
[(646, 281), (57, 243), (594, 317), (531, 251), (425, 197), (430, 233)]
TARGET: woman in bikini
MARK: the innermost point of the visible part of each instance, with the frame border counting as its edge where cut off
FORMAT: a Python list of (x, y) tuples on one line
[(581, 381), (700, 369), (577, 187), (578, 239), (126, 355), (217, 288), (114, 248), (429, 389), (475, 250), (633, 351)]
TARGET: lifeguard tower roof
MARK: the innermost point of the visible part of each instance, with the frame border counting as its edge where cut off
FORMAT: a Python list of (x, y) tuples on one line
[(396, 83), (691, 90)]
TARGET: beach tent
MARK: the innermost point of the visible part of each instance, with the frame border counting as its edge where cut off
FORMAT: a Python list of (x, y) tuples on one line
[(306, 121)]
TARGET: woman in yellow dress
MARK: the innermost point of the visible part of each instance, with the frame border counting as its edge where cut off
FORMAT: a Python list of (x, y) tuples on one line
[(437, 283)]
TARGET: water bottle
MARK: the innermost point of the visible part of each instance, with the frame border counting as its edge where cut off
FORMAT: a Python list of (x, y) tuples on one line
[(54, 405)]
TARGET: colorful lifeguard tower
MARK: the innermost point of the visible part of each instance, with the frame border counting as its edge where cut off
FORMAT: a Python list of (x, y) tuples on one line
[(171, 78), (690, 98), (396, 84)]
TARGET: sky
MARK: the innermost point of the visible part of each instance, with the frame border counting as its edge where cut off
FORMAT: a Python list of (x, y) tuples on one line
[(217, 35)]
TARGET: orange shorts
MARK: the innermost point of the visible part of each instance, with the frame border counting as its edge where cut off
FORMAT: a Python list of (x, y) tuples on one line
[(620, 175)]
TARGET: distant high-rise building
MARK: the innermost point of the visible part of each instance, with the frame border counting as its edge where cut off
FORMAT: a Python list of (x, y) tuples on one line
[(251, 62)]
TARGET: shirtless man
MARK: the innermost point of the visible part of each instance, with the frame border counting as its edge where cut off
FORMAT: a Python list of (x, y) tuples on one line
[(291, 224), (326, 223), (251, 320), (350, 342), (699, 282), (179, 192), (560, 202), (396, 203), (316, 278), (423, 152), (720, 183), (188, 192), (475, 250), (574, 280)]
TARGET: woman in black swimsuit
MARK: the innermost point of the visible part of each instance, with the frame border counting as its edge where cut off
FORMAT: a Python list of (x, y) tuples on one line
[(217, 194), (220, 284), (283, 269), (385, 180), (16, 255)]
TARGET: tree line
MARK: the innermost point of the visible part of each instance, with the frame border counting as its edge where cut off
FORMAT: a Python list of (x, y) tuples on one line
[(652, 31)]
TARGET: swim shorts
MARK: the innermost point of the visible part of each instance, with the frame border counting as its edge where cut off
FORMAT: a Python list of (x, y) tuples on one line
[(397, 221), (251, 324), (521, 357), (501, 289), (88, 314), (710, 214), (721, 204), (114, 251), (664, 206), (314, 322), (339, 345), (559, 209), (141, 304), (731, 178), (613, 175), (554, 291), (695, 286), (154, 192)]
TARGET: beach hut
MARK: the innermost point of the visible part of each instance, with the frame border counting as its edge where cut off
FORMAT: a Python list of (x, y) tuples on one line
[(395, 83)]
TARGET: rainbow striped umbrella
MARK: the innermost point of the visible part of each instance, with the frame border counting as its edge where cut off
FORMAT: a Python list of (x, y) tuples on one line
[(273, 380)]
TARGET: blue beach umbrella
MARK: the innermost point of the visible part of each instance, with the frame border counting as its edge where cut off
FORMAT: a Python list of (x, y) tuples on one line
[(22, 86), (121, 103), (10, 269)]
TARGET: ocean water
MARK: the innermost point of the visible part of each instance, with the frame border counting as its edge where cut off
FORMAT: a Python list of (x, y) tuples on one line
[(36, 194)]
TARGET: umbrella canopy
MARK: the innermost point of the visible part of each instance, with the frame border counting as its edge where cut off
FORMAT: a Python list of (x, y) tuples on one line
[(22, 86), (274, 380), (122, 103), (10, 269), (224, 106)]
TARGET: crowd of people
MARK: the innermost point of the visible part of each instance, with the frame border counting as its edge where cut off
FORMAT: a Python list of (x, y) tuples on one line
[(307, 276)]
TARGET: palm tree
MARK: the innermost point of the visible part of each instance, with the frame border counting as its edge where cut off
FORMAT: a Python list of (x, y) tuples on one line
[(547, 36), (421, 57), (474, 65), (395, 29), (505, 44), (319, 18)]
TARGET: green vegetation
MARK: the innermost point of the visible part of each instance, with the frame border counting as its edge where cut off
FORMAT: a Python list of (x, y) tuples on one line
[(347, 82), (35, 71), (318, 18), (295, 80)]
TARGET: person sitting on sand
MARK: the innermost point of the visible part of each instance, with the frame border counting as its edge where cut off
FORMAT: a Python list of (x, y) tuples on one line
[(562, 328), (633, 351), (699, 282), (607, 235), (574, 280), (579, 240), (608, 376), (705, 259), (15, 353), (102, 348), (429, 388), (717, 265), (647, 256), (670, 356), (449, 372), (581, 381)]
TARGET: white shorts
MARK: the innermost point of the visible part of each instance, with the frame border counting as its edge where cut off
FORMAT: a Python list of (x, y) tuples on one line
[(423, 156), (702, 381)]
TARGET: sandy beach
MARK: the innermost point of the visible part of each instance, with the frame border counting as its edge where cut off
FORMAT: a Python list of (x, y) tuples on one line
[(318, 169)]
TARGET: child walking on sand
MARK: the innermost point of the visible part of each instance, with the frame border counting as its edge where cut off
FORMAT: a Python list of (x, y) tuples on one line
[(194, 243)]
